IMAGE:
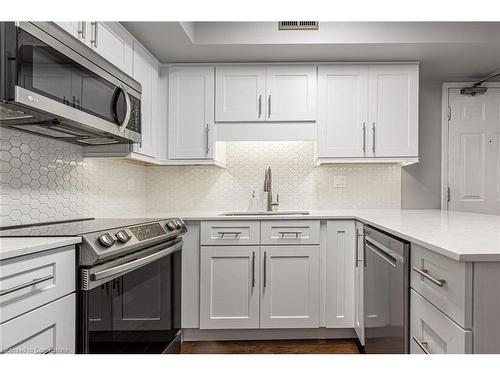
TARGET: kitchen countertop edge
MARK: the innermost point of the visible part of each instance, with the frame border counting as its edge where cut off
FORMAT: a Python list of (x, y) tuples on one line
[(13, 247)]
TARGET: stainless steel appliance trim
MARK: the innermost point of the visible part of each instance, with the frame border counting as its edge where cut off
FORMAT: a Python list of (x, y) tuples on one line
[(137, 263), (26, 285), (421, 345), (128, 106), (72, 115), (425, 273), (384, 256), (61, 41), (384, 249), (253, 269)]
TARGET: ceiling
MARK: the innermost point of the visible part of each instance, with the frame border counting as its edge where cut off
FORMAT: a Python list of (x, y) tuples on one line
[(447, 51)]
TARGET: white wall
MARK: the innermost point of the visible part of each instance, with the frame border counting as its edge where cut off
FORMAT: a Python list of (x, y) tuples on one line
[(421, 182)]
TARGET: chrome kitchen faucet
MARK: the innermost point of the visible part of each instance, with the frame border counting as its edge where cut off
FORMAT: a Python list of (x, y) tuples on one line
[(268, 188)]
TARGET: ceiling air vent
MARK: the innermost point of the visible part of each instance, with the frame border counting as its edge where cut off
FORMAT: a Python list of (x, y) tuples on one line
[(298, 25)]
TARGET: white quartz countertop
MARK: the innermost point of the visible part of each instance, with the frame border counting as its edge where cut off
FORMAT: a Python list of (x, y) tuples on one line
[(14, 247), (458, 235)]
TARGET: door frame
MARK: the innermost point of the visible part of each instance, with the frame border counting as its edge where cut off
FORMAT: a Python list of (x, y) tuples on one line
[(445, 133)]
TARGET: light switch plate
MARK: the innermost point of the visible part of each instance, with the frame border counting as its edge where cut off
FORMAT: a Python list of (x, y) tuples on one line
[(339, 181)]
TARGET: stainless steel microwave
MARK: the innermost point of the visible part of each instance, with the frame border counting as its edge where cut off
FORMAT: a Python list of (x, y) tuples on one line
[(53, 85)]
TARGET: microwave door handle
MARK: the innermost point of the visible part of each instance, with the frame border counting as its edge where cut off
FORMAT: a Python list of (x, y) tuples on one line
[(128, 106)]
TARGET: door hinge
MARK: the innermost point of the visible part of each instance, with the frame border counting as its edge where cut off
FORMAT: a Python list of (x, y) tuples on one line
[(448, 194), (449, 113)]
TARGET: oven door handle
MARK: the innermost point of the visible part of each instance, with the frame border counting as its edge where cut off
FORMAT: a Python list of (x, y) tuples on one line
[(136, 263)]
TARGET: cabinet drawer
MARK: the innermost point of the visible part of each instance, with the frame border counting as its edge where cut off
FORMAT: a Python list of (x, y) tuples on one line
[(230, 232), (48, 329), (434, 332), (304, 232), (31, 281), (447, 284)]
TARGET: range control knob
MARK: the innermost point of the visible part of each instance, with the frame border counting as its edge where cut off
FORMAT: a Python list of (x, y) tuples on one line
[(171, 225), (178, 224), (123, 236), (107, 240)]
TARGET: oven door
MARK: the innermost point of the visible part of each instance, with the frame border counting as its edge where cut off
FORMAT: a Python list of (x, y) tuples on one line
[(74, 98), (132, 304)]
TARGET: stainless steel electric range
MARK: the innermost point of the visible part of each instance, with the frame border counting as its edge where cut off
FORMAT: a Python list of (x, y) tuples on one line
[(129, 278)]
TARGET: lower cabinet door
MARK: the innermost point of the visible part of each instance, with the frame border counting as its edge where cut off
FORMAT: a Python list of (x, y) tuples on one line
[(229, 287), (47, 329), (432, 332), (290, 287)]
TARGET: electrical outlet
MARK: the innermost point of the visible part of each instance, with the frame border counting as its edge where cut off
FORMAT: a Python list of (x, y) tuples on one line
[(339, 181), (130, 184)]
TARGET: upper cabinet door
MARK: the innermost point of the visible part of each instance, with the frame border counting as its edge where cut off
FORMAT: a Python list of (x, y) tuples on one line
[(146, 73), (343, 110), (240, 93), (112, 43), (291, 93), (191, 112), (393, 110)]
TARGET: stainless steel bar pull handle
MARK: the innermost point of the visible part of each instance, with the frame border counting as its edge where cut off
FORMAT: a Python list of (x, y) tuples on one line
[(26, 285), (374, 137), (422, 345), (207, 145), (269, 106), (253, 269), (265, 269), (295, 233), (260, 105), (82, 29), (364, 138), (94, 33), (222, 234), (425, 273)]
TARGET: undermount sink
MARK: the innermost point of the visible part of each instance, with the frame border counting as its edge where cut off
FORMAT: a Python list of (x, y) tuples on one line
[(264, 213)]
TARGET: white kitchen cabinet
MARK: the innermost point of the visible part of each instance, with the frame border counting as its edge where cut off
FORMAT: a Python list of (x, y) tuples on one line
[(229, 287), (49, 329), (359, 321), (191, 112), (240, 93), (368, 113), (145, 71), (340, 265), (343, 110), (291, 92), (108, 39), (290, 287), (393, 110)]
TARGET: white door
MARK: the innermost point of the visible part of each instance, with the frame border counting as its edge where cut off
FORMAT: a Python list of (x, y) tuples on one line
[(290, 287), (229, 287), (359, 326), (340, 254), (474, 151), (146, 73), (393, 111), (191, 112), (76, 28), (291, 93), (343, 110), (113, 45), (240, 93)]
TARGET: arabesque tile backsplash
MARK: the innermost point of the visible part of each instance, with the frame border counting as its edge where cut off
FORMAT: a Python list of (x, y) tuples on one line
[(43, 179)]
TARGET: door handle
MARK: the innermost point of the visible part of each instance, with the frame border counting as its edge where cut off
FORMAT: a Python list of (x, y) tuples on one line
[(260, 105), (373, 139), (94, 33), (422, 345), (423, 272), (364, 138), (265, 269), (207, 146), (25, 285), (82, 29), (269, 106), (253, 269)]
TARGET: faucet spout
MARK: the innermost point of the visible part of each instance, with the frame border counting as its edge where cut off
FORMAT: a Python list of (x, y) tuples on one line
[(268, 188)]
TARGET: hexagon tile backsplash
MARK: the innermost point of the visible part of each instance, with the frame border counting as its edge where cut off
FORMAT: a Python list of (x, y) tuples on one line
[(44, 180), (299, 184)]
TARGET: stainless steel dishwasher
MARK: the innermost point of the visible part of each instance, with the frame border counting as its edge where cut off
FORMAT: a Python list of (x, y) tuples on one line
[(386, 292)]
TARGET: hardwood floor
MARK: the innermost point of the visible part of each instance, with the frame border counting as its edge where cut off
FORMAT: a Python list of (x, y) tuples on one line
[(337, 346)]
